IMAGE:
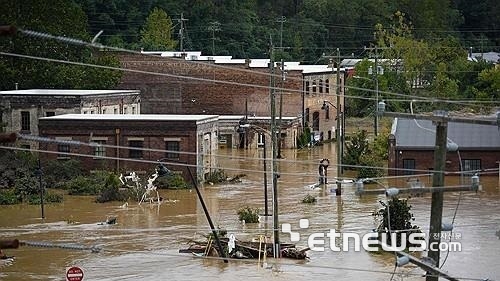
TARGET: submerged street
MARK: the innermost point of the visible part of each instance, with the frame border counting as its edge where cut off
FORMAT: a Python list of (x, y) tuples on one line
[(145, 241)]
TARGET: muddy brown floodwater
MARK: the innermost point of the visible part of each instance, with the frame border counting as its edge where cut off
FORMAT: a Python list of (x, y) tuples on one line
[(144, 244)]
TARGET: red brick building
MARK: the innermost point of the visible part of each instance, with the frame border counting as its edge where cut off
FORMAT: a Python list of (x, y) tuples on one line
[(189, 83), (127, 143), (412, 142)]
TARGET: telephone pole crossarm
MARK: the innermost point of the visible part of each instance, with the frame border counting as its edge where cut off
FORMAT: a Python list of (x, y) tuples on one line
[(420, 190), (437, 118)]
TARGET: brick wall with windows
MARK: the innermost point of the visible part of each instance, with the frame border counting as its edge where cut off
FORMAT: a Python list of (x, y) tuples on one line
[(170, 95), (160, 135)]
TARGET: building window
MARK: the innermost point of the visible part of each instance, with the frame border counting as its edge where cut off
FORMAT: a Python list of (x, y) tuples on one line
[(320, 84), (471, 165), (104, 111), (409, 166), (307, 87), (171, 146), (25, 120), (327, 86), (133, 109), (306, 116), (315, 121), (100, 150), (135, 153), (314, 87), (63, 148), (327, 113), (50, 113)]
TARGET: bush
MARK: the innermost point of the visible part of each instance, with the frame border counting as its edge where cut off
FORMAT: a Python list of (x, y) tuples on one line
[(171, 181), (400, 219), (82, 185), (110, 190), (25, 186), (372, 165), (309, 199), (49, 197), (216, 176), (248, 215), (8, 197), (57, 173)]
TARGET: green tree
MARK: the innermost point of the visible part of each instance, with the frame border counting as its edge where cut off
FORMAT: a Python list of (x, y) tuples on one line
[(39, 16), (157, 32), (355, 148), (396, 215)]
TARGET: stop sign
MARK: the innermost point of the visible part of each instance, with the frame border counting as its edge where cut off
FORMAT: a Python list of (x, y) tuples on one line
[(74, 273)]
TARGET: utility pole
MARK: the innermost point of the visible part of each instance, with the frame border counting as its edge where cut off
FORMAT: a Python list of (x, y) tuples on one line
[(440, 119), (276, 246), (281, 20), (338, 131), (181, 31), (437, 197), (214, 27), (378, 70), (340, 115), (283, 76)]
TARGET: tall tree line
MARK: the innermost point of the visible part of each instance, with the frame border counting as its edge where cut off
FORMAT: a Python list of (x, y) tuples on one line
[(311, 27)]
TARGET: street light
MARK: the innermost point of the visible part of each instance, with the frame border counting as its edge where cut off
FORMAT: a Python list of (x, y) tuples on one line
[(339, 136)]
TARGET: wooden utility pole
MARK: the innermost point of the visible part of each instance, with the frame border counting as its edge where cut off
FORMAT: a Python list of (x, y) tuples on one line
[(440, 119), (437, 197), (274, 166), (181, 31)]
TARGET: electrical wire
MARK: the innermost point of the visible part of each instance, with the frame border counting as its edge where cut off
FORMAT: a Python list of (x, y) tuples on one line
[(100, 46)]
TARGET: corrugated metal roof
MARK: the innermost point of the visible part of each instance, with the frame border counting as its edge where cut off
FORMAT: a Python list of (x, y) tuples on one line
[(411, 133)]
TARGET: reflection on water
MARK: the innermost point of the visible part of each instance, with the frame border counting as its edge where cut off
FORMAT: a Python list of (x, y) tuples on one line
[(145, 242)]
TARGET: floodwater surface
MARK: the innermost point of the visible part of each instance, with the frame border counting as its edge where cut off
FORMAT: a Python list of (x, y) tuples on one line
[(144, 243)]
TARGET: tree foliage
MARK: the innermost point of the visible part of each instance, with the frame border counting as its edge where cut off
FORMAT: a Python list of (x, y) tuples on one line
[(29, 73), (157, 32)]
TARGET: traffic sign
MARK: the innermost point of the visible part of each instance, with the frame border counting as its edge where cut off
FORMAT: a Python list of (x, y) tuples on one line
[(74, 273)]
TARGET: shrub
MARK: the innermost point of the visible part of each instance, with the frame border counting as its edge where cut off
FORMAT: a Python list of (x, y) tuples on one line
[(216, 176), (57, 173), (171, 181), (309, 199), (82, 185), (8, 197), (110, 191), (398, 210), (48, 197), (248, 215)]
